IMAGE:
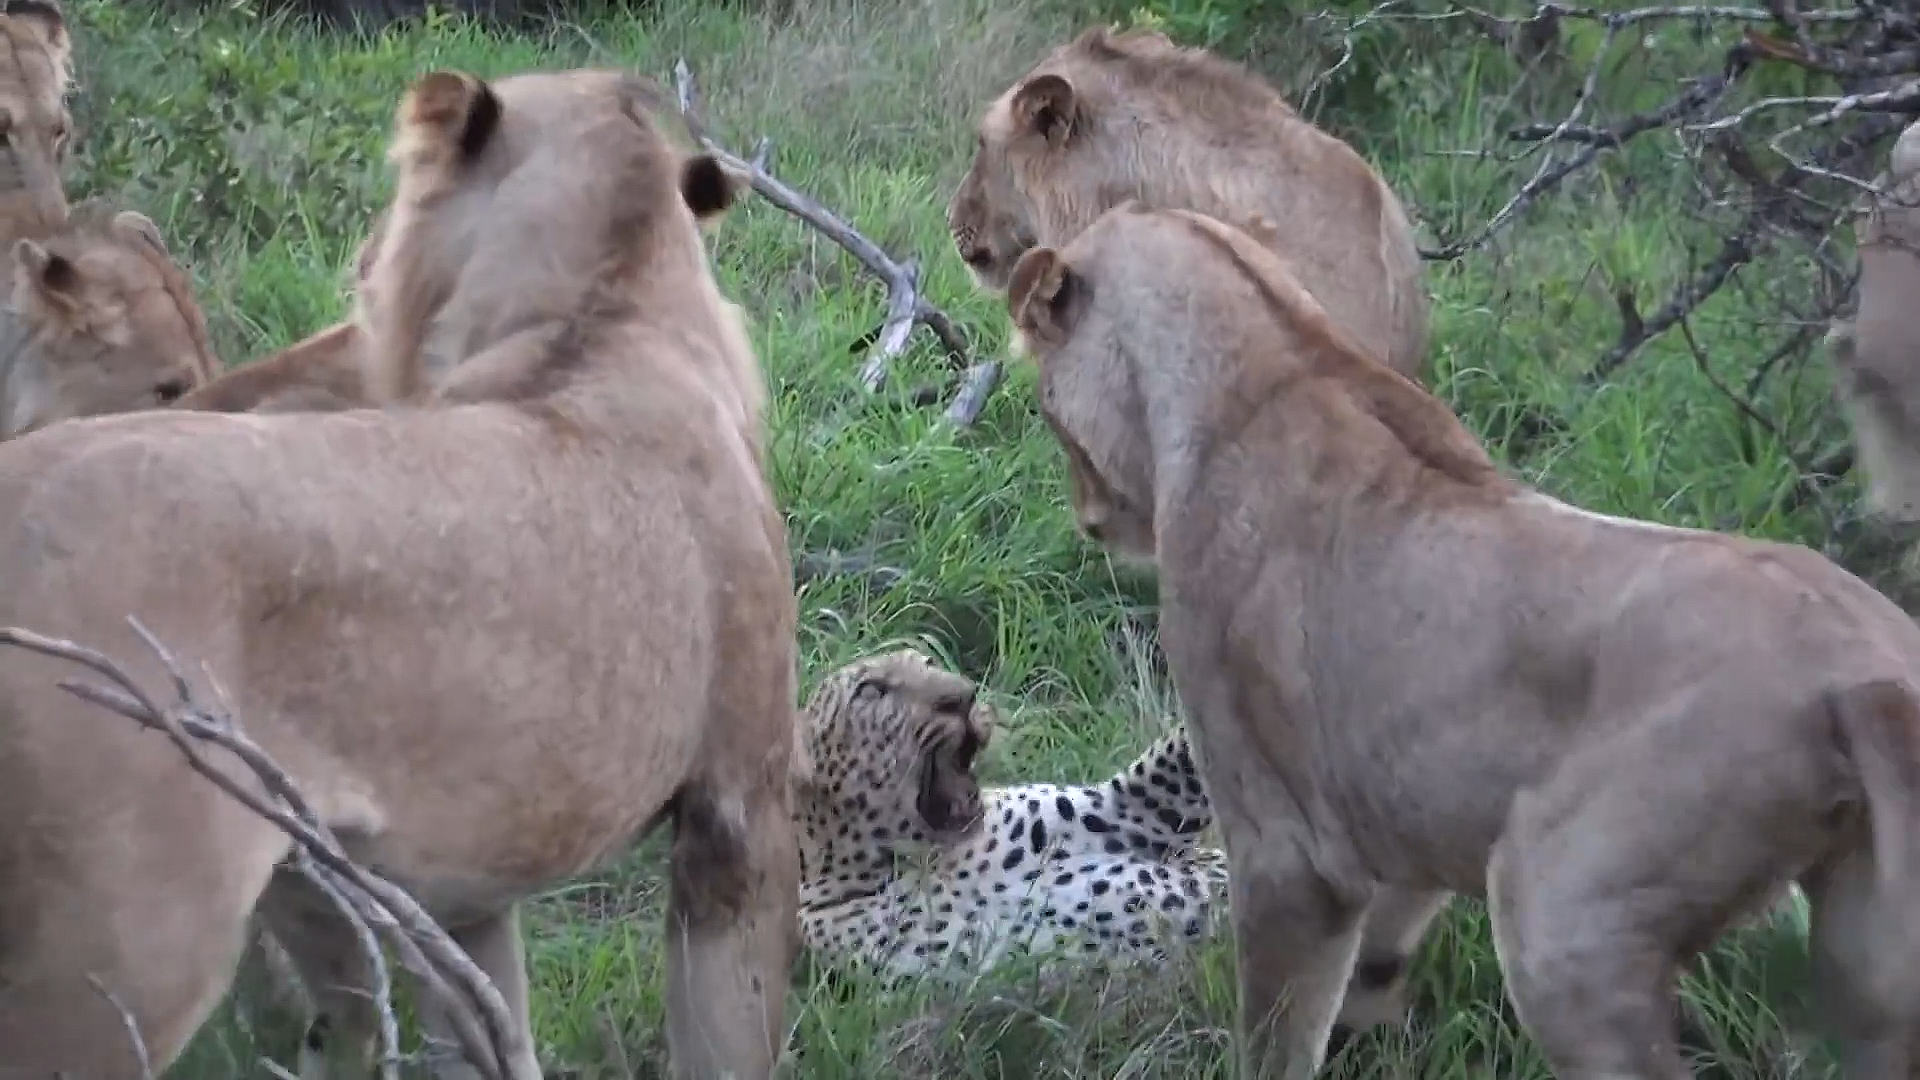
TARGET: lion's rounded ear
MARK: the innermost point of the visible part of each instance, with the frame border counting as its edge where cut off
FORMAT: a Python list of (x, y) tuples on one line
[(137, 226), (707, 186), (1045, 105), (451, 109), (1040, 294), (46, 21), (44, 278)]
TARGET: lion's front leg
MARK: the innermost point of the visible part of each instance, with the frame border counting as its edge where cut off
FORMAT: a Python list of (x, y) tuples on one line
[(732, 931), (1296, 937), (1395, 922), (339, 1038), (496, 947)]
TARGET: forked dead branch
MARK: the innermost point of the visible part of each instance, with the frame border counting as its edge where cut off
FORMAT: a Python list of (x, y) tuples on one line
[(907, 306), (377, 909)]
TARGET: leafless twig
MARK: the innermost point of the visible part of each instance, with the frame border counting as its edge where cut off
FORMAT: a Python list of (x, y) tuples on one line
[(132, 1025), (907, 307), (375, 906), (1803, 474)]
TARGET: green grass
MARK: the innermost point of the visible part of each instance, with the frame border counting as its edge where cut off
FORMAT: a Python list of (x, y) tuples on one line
[(258, 146)]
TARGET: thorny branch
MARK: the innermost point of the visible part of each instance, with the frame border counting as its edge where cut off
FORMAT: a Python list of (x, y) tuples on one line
[(376, 908), (907, 306)]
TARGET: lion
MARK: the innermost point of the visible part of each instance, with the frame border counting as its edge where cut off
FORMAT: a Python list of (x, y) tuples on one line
[(34, 119), (101, 320), (495, 642), (1877, 356), (1403, 668), (325, 371), (1112, 116), (319, 373)]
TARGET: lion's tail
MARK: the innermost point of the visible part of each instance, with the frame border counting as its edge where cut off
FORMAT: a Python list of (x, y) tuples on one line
[(1880, 721)]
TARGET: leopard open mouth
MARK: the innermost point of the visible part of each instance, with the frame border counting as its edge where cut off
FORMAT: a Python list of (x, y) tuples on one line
[(945, 816)]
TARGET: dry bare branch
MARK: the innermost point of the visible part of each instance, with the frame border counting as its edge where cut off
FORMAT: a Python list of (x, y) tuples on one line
[(1803, 474), (127, 1020), (975, 389), (907, 306), (377, 908)]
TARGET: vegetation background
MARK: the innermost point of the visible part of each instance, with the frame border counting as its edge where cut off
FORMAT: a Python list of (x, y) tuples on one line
[(256, 142)]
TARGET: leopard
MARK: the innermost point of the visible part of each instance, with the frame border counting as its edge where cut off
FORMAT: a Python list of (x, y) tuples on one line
[(895, 884)]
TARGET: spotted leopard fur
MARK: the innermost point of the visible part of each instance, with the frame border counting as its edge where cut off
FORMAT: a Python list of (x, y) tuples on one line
[(1106, 872)]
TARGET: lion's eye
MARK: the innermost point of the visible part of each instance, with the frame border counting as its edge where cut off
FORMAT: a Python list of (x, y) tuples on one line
[(869, 690)]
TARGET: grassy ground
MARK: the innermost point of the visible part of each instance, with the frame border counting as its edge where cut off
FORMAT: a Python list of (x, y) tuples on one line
[(257, 148)]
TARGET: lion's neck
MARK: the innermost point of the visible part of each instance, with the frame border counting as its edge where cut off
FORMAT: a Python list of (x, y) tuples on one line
[(1318, 447)]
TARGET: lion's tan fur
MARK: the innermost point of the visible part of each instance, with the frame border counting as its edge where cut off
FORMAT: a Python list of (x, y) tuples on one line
[(318, 373), (321, 372), (1108, 117), (36, 68), (494, 643), (1877, 356), (410, 333), (100, 320), (1404, 670)]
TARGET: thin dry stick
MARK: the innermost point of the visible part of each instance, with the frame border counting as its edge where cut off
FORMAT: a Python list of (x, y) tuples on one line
[(336, 891), (907, 307), (975, 389), (1803, 475), (132, 1025), (490, 1040)]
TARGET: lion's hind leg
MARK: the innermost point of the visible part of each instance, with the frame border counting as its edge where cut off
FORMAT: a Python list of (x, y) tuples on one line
[(1877, 1030), (1638, 851), (732, 929)]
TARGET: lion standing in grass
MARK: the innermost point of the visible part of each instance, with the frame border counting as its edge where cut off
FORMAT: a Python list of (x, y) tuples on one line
[(1877, 355), (494, 642), (1403, 669), (1109, 117)]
